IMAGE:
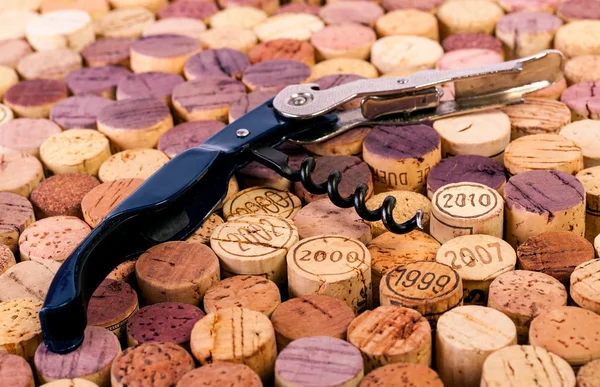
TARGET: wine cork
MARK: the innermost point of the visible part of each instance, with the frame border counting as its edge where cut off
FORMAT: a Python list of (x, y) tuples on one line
[(152, 5), (537, 116), (20, 330), (176, 271), (200, 10), (539, 201), (468, 58), (8, 78), (15, 22), (186, 26), (20, 173), (206, 98), (168, 322), (187, 135), (332, 265), (423, 5), (555, 253), (238, 39), (101, 200), (405, 166), (95, 8), (27, 279), (407, 205), (107, 51), (135, 123), (361, 12), (582, 69), (466, 209), (523, 295), (585, 134), (587, 375), (254, 245), (526, 365), (465, 337), (311, 315), (71, 29), (124, 23), (478, 259), (26, 135), (7, 258), (269, 6), (468, 40), (243, 17), (529, 5), (298, 26), (6, 114), (221, 61), (408, 22), (203, 233), (16, 213), (236, 335), (336, 66), (75, 151), (15, 371), (576, 38), (123, 272), (62, 195), (34, 98), (53, 64), (463, 16), (543, 152), (52, 238), (572, 10), (150, 361), (471, 134), (346, 144), (243, 291), (262, 200), (583, 282), (390, 250), (321, 360), (553, 329), (527, 33), (552, 92), (312, 9), (274, 74), (350, 40), (323, 217), (256, 174), (91, 361), (582, 101), (149, 84), (12, 51), (167, 53), (405, 53), (466, 168), (391, 334), (112, 304), (589, 179), (402, 374), (78, 112), (249, 102), (283, 48), (431, 288), (99, 80), (221, 374)]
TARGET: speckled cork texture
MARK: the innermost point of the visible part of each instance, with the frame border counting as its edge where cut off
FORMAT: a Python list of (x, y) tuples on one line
[(402, 375), (27, 279), (16, 213), (243, 291), (111, 305), (62, 195), (221, 374)]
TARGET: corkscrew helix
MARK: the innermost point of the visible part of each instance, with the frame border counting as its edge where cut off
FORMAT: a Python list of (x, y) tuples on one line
[(176, 200)]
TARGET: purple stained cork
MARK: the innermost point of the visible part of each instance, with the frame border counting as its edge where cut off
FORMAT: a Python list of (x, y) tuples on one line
[(471, 168), (311, 9), (134, 113), (149, 84), (472, 40), (35, 92), (107, 51), (249, 102), (101, 80), (528, 22), (543, 192), (220, 61), (165, 45), (78, 112), (583, 99), (187, 135), (208, 93), (402, 142), (579, 10), (275, 74), (15, 371), (319, 361), (193, 9), (423, 5), (164, 322)]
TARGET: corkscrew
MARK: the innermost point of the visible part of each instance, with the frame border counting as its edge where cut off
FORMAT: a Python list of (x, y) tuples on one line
[(176, 200)]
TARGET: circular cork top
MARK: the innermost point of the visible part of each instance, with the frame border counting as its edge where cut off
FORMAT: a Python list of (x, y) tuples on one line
[(78, 112), (319, 361), (570, 332), (399, 331), (52, 238), (19, 173), (124, 23), (473, 130), (179, 25), (27, 279), (101, 200), (221, 61), (97, 352), (192, 9), (361, 12), (584, 133), (466, 202), (187, 135), (466, 58), (543, 152), (241, 16), (538, 116), (19, 321), (249, 102), (577, 10), (288, 25), (587, 376), (148, 84), (585, 281), (555, 253), (284, 48), (243, 291), (472, 40), (402, 375), (275, 74), (13, 50), (132, 164), (62, 22), (406, 53), (165, 45), (528, 22), (100, 80), (75, 382), (111, 303), (15, 371), (7, 258), (208, 93), (16, 212), (262, 201), (53, 64), (151, 361), (526, 365), (221, 374), (466, 168), (26, 134), (36, 92), (107, 51), (134, 114), (410, 142), (311, 9), (62, 194), (582, 96), (164, 322), (407, 205), (202, 234), (543, 192)]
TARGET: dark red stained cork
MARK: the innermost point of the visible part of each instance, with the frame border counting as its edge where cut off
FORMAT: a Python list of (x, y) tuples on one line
[(423, 5), (134, 113), (220, 61), (95, 80), (107, 51), (78, 112), (275, 74), (311, 9), (192, 9), (249, 102), (165, 45), (528, 22), (35, 92), (579, 9), (112, 301), (164, 322), (471, 168), (149, 84), (207, 93), (402, 142), (472, 40), (187, 135), (62, 195), (544, 192)]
